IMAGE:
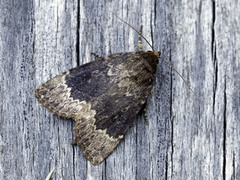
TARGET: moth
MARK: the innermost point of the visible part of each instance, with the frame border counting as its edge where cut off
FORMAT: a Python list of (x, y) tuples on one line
[(103, 97)]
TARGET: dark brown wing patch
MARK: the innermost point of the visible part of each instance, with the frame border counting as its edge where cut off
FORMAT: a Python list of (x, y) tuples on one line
[(67, 93)]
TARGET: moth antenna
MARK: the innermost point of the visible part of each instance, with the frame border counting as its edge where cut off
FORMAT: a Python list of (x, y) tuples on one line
[(140, 39), (171, 66), (134, 30)]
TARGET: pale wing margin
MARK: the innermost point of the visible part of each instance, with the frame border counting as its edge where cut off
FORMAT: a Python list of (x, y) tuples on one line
[(55, 95)]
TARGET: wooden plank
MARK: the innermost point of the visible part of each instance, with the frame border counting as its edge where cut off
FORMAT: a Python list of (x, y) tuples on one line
[(226, 109), (185, 138)]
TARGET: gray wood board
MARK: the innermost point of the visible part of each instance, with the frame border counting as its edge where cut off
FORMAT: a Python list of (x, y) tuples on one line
[(185, 138)]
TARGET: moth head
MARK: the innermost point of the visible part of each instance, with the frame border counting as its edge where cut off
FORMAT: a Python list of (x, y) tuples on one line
[(156, 53)]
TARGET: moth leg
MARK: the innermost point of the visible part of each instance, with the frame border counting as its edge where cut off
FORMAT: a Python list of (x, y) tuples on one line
[(140, 39), (144, 111), (73, 142), (96, 55), (145, 115)]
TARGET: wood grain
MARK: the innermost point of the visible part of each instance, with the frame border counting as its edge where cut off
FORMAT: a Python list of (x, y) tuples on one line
[(185, 138)]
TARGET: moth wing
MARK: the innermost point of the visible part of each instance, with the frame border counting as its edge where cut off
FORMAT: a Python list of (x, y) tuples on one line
[(103, 97), (67, 93), (102, 123)]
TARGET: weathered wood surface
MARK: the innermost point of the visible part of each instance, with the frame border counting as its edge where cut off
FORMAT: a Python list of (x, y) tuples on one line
[(185, 139)]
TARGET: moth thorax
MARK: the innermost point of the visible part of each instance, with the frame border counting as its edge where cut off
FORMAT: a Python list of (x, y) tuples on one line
[(157, 53)]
